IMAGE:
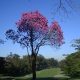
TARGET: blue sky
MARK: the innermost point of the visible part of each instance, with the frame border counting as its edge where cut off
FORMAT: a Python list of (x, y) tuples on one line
[(10, 12)]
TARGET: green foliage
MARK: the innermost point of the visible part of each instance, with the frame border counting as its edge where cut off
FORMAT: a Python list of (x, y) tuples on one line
[(16, 66), (71, 65), (2, 64), (46, 74), (76, 44), (52, 62), (41, 62), (62, 64), (13, 65)]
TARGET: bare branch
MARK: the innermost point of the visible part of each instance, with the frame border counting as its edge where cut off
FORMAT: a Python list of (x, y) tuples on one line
[(65, 7)]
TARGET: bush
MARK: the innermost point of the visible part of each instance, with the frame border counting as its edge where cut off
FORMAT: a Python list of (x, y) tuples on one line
[(13, 65), (71, 65)]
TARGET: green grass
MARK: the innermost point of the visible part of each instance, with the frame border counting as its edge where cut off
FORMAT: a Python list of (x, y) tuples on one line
[(47, 74)]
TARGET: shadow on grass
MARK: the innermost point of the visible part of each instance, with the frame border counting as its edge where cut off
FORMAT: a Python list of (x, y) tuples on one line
[(45, 78), (51, 78)]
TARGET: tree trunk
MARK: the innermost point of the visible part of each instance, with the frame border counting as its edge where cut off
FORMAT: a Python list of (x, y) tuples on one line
[(33, 66)]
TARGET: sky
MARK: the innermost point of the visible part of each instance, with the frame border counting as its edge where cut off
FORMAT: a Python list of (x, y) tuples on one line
[(11, 11)]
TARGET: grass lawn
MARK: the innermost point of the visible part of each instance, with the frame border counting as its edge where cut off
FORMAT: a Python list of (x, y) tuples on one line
[(47, 74)]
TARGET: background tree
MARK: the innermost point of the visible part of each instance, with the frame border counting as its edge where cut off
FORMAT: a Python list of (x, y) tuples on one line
[(13, 64), (41, 63), (2, 59), (2, 65), (26, 63), (62, 64), (71, 65), (76, 44), (52, 63), (33, 32)]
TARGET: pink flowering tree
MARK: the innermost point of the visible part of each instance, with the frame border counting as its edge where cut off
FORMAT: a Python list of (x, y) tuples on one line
[(33, 32)]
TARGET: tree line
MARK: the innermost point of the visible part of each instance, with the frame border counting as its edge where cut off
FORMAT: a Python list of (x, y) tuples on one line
[(14, 65), (71, 64)]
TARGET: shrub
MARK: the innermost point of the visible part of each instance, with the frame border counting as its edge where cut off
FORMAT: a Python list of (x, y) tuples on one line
[(72, 64)]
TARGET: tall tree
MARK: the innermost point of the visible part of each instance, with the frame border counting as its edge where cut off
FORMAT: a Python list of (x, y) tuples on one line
[(33, 32)]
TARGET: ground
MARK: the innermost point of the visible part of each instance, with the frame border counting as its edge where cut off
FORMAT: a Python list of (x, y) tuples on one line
[(47, 74)]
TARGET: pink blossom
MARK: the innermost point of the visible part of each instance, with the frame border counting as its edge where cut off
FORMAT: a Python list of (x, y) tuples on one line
[(39, 24), (56, 34), (32, 20)]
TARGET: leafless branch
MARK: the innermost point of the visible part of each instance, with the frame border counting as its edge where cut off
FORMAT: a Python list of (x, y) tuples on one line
[(65, 7)]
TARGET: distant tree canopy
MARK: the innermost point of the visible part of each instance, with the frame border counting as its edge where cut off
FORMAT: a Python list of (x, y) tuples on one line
[(13, 65), (76, 44), (71, 65), (2, 64)]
